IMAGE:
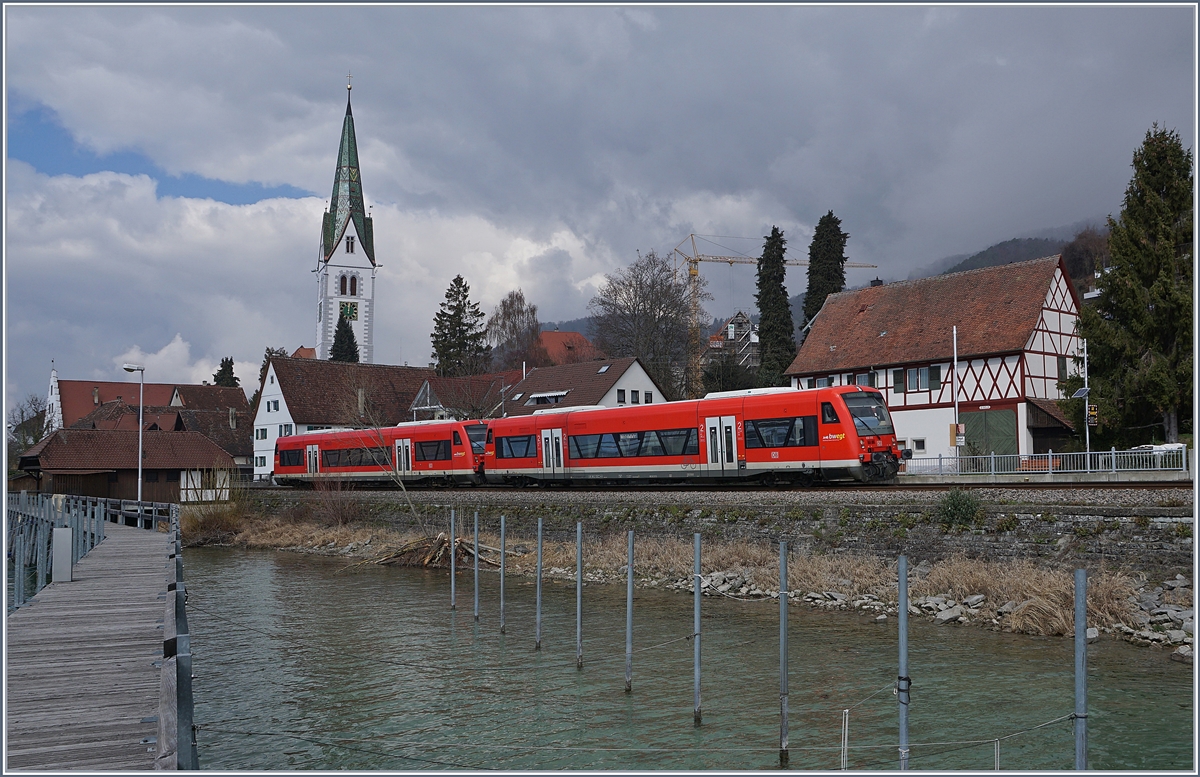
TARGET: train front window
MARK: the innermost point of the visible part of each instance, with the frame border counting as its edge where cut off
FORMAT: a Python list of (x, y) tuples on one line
[(478, 435), (869, 413)]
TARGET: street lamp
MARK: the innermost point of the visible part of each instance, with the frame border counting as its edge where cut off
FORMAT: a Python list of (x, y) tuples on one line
[(140, 369), (1083, 393)]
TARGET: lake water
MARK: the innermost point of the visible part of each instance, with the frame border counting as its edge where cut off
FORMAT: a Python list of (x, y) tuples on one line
[(303, 664)]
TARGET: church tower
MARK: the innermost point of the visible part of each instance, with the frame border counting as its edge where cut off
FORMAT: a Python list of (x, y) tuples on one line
[(346, 268)]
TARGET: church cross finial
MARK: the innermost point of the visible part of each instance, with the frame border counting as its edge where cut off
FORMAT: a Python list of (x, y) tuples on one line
[(348, 77)]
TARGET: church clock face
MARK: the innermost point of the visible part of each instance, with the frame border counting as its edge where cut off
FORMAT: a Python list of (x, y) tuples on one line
[(350, 310)]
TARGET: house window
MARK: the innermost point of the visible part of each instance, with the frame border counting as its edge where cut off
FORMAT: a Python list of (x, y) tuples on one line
[(918, 378), (865, 379), (349, 244), (353, 285), (620, 396), (919, 444), (633, 397), (285, 430), (150, 476), (272, 380), (1062, 368), (260, 433), (172, 476), (821, 383), (648, 398), (897, 381), (260, 461), (603, 369)]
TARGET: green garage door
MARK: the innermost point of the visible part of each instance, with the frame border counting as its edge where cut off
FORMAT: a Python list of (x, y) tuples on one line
[(990, 430)]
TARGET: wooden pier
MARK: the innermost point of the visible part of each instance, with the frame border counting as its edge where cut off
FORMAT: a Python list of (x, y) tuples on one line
[(85, 658)]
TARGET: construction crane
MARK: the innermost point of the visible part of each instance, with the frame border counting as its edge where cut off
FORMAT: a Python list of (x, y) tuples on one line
[(680, 257)]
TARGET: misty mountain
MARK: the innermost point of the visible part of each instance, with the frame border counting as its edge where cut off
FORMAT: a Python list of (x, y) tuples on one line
[(1018, 249)]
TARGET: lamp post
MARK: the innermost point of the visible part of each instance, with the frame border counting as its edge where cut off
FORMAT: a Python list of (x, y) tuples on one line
[(1083, 392), (140, 369)]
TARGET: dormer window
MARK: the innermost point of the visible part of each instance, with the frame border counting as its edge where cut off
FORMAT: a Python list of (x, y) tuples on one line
[(349, 244)]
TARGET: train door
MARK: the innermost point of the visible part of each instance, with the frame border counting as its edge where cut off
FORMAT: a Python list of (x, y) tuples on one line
[(721, 438), (404, 457), (552, 453), (313, 458)]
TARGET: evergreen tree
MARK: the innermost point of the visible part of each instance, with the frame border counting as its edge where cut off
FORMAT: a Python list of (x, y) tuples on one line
[(1139, 333), (262, 373), (723, 373), (224, 375), (776, 338), (345, 347), (459, 338), (826, 264)]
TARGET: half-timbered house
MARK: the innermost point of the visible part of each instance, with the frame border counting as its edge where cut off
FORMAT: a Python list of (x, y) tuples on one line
[(1016, 338)]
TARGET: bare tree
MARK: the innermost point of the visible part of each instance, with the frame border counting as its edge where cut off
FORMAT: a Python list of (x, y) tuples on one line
[(644, 311), (26, 427), (514, 332), (475, 396)]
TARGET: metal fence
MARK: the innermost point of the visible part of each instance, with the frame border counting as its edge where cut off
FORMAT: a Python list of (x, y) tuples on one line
[(1051, 463), (32, 518)]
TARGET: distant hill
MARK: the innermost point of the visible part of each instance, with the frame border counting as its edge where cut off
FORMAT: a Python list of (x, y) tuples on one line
[(581, 325), (1016, 250)]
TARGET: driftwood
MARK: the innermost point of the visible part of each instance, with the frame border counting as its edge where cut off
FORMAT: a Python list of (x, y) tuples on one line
[(432, 552)]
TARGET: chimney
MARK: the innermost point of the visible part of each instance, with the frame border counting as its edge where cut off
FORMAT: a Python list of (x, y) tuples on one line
[(876, 282), (232, 418), (362, 402), (95, 395)]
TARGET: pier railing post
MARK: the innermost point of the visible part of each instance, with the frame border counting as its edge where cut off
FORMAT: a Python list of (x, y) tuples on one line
[(1081, 670), (696, 712), (537, 638), (503, 557), (477, 566), (452, 561), (783, 655), (579, 595), (903, 683), (629, 617)]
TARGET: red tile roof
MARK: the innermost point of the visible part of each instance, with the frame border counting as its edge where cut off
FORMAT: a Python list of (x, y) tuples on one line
[(323, 392), (995, 308), (568, 347), (79, 450), (80, 397), (583, 381), (304, 352), (208, 397), (1052, 409), (213, 424)]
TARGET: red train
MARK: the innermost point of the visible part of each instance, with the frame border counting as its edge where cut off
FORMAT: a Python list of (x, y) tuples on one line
[(765, 435)]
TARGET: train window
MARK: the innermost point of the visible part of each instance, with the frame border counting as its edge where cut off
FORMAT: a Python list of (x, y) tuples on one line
[(772, 432), (651, 446), (584, 446), (804, 431), (520, 447), (290, 458), (828, 414), (608, 447), (629, 442), (457, 438), (680, 442), (432, 450), (479, 435), (869, 413)]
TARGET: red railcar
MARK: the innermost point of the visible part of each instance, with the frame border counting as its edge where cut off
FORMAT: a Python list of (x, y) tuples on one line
[(422, 452), (768, 435)]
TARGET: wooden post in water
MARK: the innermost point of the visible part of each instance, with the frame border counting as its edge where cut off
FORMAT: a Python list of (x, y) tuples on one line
[(629, 618), (477, 566), (1081, 670), (503, 556), (579, 595), (452, 570), (902, 681), (783, 655), (696, 630), (537, 639)]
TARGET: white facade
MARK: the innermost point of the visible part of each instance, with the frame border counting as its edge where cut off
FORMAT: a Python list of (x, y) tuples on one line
[(346, 283), (632, 388), (272, 420)]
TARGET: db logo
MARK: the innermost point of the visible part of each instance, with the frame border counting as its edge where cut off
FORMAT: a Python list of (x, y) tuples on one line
[(774, 454)]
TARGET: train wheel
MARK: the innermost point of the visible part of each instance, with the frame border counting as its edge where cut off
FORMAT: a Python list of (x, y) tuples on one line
[(804, 480)]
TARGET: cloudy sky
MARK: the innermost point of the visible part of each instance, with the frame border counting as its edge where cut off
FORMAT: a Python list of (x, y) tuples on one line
[(166, 168)]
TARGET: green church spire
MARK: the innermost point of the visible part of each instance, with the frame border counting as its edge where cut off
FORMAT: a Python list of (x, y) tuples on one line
[(346, 203)]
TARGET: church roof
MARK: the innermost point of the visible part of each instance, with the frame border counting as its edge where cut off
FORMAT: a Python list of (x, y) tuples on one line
[(346, 202)]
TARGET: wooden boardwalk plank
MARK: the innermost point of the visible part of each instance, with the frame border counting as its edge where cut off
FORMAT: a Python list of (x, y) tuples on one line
[(83, 661)]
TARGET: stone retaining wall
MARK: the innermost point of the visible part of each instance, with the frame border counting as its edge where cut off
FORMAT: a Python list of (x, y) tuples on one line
[(1145, 538)]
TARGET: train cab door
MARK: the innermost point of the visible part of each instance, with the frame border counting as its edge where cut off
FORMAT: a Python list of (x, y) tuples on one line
[(552, 453), (721, 440), (404, 457), (313, 459)]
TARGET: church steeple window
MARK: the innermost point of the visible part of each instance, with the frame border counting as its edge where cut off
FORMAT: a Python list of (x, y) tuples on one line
[(353, 285), (342, 285), (349, 244)]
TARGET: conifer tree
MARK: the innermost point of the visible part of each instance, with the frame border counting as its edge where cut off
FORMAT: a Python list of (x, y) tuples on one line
[(1139, 333), (262, 373), (459, 338), (776, 338), (224, 375), (345, 346), (826, 264)]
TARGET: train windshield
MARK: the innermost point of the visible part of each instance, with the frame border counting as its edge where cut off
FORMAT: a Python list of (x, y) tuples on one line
[(477, 434), (869, 413)]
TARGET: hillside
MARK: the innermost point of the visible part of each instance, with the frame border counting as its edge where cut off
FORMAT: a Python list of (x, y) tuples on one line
[(1016, 250)]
